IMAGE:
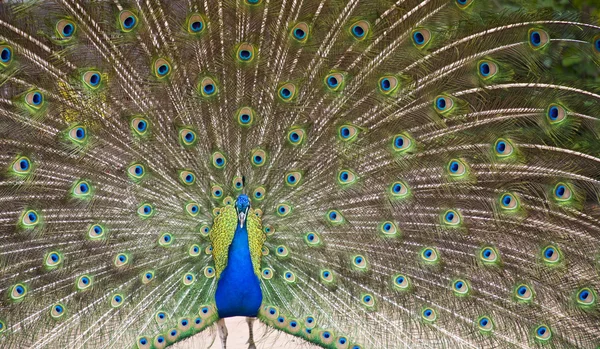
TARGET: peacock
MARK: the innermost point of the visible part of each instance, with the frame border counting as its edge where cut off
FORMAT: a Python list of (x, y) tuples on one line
[(356, 173)]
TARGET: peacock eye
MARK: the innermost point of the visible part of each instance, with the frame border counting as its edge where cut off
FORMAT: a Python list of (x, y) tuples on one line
[(196, 24), (538, 38), (360, 30), (128, 21), (388, 84), (287, 92), (421, 37), (245, 53)]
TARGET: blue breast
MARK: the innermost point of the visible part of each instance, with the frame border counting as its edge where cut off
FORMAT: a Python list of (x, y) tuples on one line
[(238, 290)]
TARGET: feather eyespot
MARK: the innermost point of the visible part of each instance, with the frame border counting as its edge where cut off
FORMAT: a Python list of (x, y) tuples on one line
[(183, 324), (283, 210), (136, 171), (267, 273), (399, 190), (207, 87), (347, 132), (82, 189), (456, 168), (523, 293), (451, 218), (460, 287), (269, 230), (509, 202), (259, 193), (556, 113), (34, 99), (145, 211), (65, 29), (165, 239), (245, 53), (245, 116), (6, 55), (359, 262), (121, 259), (161, 317), (195, 24), (282, 251), (292, 179), (218, 160), (192, 209), (96, 231), (30, 219), (428, 314), (388, 228), (143, 343), (172, 335), (117, 300), (289, 276), (57, 311), (487, 69), (147, 277), (538, 38), (300, 32), (188, 279), (253, 2), (187, 137), (335, 217), (421, 37), (287, 92), (489, 255), (562, 192), (312, 239), (52, 259), (238, 183), (485, 324), (160, 341), (92, 79), (402, 143), (78, 134), (22, 166), (139, 125), (204, 230), (443, 104), (586, 297), (334, 81), (429, 255), (368, 300), (18, 291), (326, 275), (128, 21), (346, 177), (258, 157), (401, 282), (388, 84), (161, 68), (503, 148), (296, 136), (551, 255), (187, 177), (543, 333), (360, 30), (84, 282)]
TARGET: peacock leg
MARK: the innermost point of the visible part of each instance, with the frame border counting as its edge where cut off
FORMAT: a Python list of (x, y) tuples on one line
[(250, 321), (222, 333)]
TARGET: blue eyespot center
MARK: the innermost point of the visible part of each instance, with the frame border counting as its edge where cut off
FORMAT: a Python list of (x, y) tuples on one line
[(163, 69), (385, 84), (326, 335), (209, 88), (311, 237), (449, 216), (560, 190), (286, 93), (427, 313), (219, 161), (325, 274), (58, 309), (535, 38), (294, 136), (94, 79), (397, 188), (553, 113), (583, 295), (333, 215), (501, 147), (428, 253), (245, 118), (292, 179), (54, 257), (83, 188), (484, 69), (483, 322), (141, 126), (345, 132), (358, 31), (85, 280), (32, 217), (245, 55), (24, 164), (299, 33), (129, 22), (160, 339), (522, 290), (399, 142), (5, 55), (80, 133), (143, 341), (20, 289), (37, 98), (419, 38), (454, 167), (506, 200), (441, 103), (196, 26), (122, 258), (549, 252), (332, 81), (68, 30), (161, 316), (198, 321), (148, 275), (358, 260), (147, 209), (597, 45), (541, 331), (189, 178)]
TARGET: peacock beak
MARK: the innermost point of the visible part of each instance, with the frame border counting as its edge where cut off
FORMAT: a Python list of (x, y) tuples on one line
[(242, 217)]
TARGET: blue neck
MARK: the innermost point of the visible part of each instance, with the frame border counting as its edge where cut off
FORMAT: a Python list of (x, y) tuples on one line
[(238, 290)]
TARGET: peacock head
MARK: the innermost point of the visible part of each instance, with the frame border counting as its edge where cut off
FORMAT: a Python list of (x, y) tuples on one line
[(242, 205)]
